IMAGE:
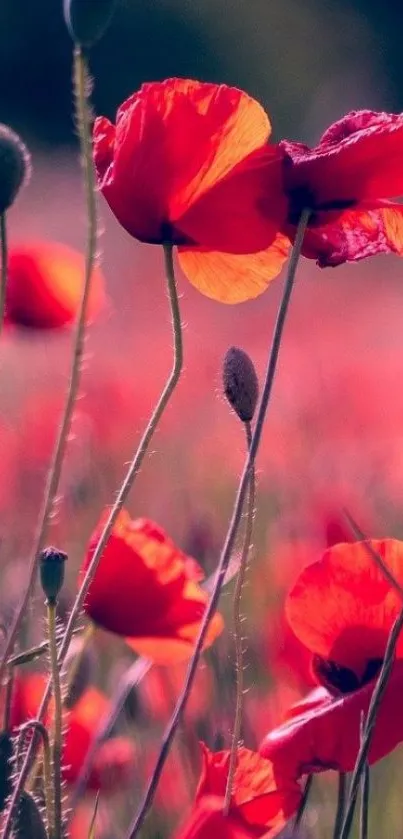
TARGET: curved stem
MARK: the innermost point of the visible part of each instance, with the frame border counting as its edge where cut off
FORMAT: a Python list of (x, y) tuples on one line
[(41, 730), (4, 266), (125, 488), (238, 627), (341, 800), (231, 533), (83, 121), (57, 724)]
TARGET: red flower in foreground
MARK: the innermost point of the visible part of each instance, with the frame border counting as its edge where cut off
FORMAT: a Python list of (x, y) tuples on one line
[(45, 283), (259, 803), (207, 821), (187, 163), (342, 609), (344, 181), (146, 590), (323, 732)]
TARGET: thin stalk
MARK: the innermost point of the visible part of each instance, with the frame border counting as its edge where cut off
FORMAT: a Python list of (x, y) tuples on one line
[(8, 698), (41, 730), (83, 122), (57, 736), (303, 803), (341, 801), (379, 562), (237, 621), (231, 534), (365, 791), (374, 706), (4, 266), (124, 490)]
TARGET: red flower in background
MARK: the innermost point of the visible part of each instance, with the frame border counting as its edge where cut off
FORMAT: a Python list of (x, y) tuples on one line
[(344, 181), (45, 283), (146, 590), (187, 163), (259, 802), (323, 731), (342, 609)]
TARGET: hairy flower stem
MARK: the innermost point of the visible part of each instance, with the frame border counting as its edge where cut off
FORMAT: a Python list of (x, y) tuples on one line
[(124, 490), (57, 737), (366, 739), (231, 533), (84, 129), (237, 619), (341, 801), (4, 266), (41, 731)]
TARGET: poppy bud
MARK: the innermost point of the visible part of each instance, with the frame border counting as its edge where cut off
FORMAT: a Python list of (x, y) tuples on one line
[(6, 767), (52, 572), (87, 20), (29, 821), (240, 381), (14, 166)]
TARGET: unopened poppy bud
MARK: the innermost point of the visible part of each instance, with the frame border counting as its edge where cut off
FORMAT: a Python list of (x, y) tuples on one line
[(87, 20), (6, 767), (240, 381), (52, 572), (28, 822), (14, 166)]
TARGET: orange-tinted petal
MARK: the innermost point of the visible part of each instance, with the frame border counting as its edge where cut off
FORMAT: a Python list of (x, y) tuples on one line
[(327, 736), (233, 278), (173, 141), (175, 649), (45, 284), (342, 608), (207, 821)]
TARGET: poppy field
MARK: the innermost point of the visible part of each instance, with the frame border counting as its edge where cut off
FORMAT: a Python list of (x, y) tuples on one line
[(201, 542)]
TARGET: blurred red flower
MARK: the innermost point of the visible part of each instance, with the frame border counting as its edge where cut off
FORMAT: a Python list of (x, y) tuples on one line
[(45, 283), (259, 802), (342, 609), (207, 821), (345, 180), (323, 731), (146, 590), (187, 163)]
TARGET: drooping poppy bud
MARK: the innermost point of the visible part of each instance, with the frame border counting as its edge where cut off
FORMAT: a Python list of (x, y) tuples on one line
[(87, 20), (14, 166), (6, 767), (52, 572), (240, 381), (29, 820)]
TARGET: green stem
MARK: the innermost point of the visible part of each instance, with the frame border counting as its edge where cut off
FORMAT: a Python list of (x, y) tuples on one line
[(120, 500), (41, 730), (341, 800), (4, 267), (231, 533), (237, 620), (57, 739), (83, 121)]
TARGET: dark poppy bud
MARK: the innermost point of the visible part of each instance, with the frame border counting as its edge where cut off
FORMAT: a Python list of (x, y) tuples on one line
[(52, 572), (6, 767), (87, 20), (14, 166), (28, 822), (241, 385)]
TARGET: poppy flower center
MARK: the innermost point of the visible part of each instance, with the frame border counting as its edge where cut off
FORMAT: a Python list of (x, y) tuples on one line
[(339, 680)]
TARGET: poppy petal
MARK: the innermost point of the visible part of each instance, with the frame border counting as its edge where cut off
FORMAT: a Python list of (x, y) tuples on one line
[(327, 736), (342, 608), (207, 819), (360, 157), (173, 141), (171, 650), (233, 278)]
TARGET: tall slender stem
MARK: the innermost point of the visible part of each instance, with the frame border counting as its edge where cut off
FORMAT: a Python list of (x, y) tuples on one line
[(83, 121), (42, 732), (303, 803), (237, 619), (124, 490), (365, 789), (231, 533), (341, 800), (56, 747), (4, 266)]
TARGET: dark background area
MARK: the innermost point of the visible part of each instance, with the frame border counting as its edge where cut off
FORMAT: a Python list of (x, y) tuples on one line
[(306, 60)]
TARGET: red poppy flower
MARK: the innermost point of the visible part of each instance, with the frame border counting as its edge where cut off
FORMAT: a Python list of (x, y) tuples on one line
[(258, 803), (342, 609), (187, 163), (323, 731), (207, 821), (146, 590), (45, 282), (345, 181)]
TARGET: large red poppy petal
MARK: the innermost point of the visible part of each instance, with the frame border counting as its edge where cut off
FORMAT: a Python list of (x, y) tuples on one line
[(328, 737), (360, 157), (233, 278), (207, 820), (342, 608), (178, 646)]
